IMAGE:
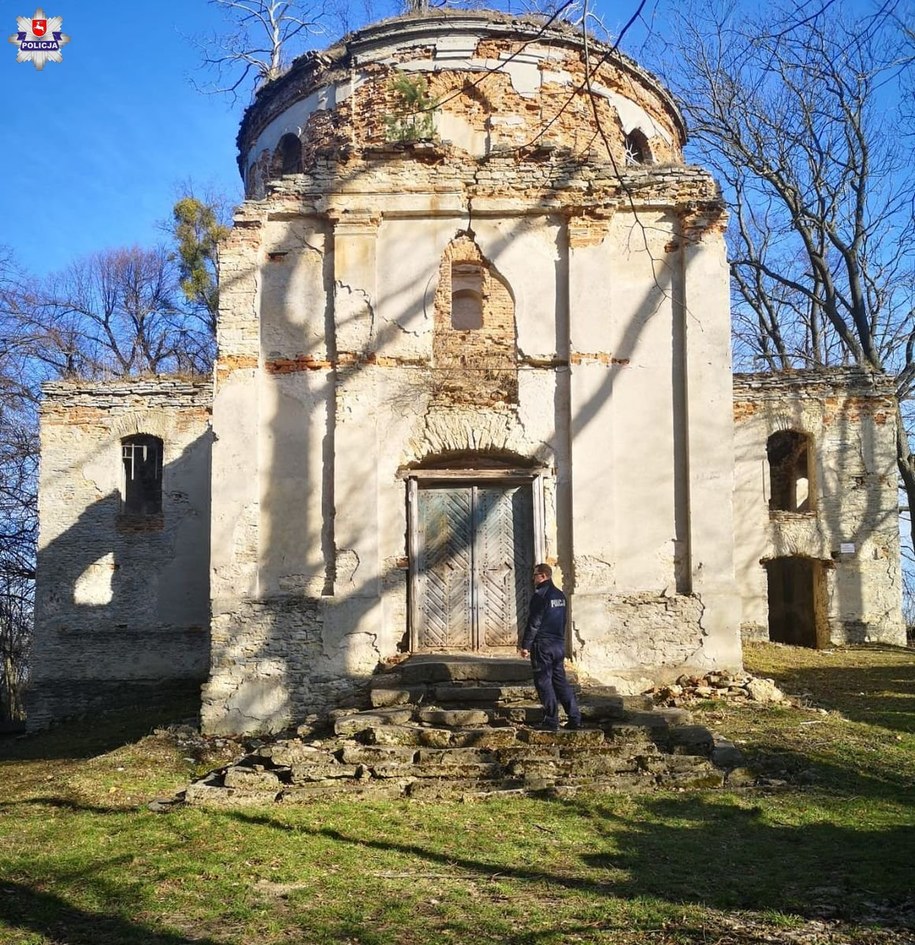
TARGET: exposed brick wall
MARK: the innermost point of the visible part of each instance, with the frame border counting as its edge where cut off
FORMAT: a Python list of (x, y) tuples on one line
[(513, 87), (474, 366)]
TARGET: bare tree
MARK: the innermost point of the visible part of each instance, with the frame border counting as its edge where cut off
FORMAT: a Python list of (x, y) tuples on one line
[(18, 496), (798, 111), (262, 39), (116, 312)]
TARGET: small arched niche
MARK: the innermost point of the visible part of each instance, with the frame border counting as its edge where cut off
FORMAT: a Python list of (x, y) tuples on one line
[(467, 295)]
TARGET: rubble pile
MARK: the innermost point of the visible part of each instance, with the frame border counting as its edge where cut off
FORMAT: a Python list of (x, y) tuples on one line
[(732, 687)]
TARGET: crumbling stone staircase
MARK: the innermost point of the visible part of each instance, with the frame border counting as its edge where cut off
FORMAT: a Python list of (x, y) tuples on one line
[(464, 727)]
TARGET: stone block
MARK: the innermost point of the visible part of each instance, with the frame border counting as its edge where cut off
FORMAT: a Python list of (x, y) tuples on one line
[(381, 697), (452, 718), (343, 790), (740, 777), (482, 738), (208, 794), (579, 738), (521, 714), (374, 754), (360, 721), (398, 735), (691, 739), (465, 669), (692, 780), (454, 771), (600, 708), (289, 752), (257, 779), (438, 789), (451, 693), (726, 754), (521, 750), (454, 756), (594, 766), (323, 771)]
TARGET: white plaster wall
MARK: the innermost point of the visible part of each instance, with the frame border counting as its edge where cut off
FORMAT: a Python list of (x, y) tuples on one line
[(295, 423), (293, 292), (622, 410), (234, 521)]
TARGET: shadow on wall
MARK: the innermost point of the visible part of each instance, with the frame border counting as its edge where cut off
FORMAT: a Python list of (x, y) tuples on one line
[(122, 600), (318, 619)]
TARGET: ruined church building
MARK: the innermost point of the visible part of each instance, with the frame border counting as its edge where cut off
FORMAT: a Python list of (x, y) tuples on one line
[(474, 314)]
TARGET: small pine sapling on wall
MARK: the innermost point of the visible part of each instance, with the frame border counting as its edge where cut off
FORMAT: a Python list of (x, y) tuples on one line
[(412, 109)]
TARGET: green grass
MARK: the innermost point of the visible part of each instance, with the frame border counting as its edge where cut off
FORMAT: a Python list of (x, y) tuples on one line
[(825, 857)]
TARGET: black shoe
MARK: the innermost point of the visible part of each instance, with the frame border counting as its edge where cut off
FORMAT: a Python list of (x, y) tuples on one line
[(572, 725)]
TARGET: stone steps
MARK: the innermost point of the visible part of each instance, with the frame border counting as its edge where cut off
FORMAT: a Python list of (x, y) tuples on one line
[(465, 731)]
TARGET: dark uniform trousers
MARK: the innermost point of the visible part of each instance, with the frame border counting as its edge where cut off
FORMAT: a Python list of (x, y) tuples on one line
[(553, 688)]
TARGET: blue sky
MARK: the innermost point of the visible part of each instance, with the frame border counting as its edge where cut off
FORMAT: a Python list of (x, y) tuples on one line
[(96, 146)]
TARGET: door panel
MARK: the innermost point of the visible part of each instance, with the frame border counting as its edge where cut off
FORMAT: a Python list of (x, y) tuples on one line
[(444, 575), (503, 562), (474, 558)]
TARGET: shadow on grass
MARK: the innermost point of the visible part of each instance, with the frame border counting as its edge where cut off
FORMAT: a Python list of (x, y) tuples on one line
[(84, 738), (881, 777), (879, 691), (73, 807), (48, 915), (707, 850)]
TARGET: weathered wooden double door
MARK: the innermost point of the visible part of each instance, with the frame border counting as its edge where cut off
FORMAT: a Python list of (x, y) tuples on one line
[(473, 559)]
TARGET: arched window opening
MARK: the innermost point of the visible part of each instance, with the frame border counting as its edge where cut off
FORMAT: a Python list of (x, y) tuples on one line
[(142, 458), (788, 453), (466, 296), (637, 151), (289, 154)]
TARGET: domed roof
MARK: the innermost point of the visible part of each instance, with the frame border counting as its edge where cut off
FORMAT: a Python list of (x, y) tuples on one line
[(480, 81)]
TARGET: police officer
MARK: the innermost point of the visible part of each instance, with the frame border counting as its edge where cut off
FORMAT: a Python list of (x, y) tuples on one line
[(544, 641)]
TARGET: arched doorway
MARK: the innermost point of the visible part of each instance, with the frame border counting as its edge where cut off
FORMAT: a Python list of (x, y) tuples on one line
[(473, 539)]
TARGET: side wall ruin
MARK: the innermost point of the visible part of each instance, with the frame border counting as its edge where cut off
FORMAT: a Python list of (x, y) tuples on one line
[(121, 608), (821, 550)]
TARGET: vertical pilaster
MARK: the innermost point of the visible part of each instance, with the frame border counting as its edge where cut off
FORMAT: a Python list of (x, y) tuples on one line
[(709, 417), (236, 419), (356, 519), (589, 423)]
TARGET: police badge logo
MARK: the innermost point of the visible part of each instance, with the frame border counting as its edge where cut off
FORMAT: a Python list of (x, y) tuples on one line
[(40, 39)]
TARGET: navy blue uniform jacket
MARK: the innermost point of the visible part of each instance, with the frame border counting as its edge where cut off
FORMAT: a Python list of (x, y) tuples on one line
[(547, 620)]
